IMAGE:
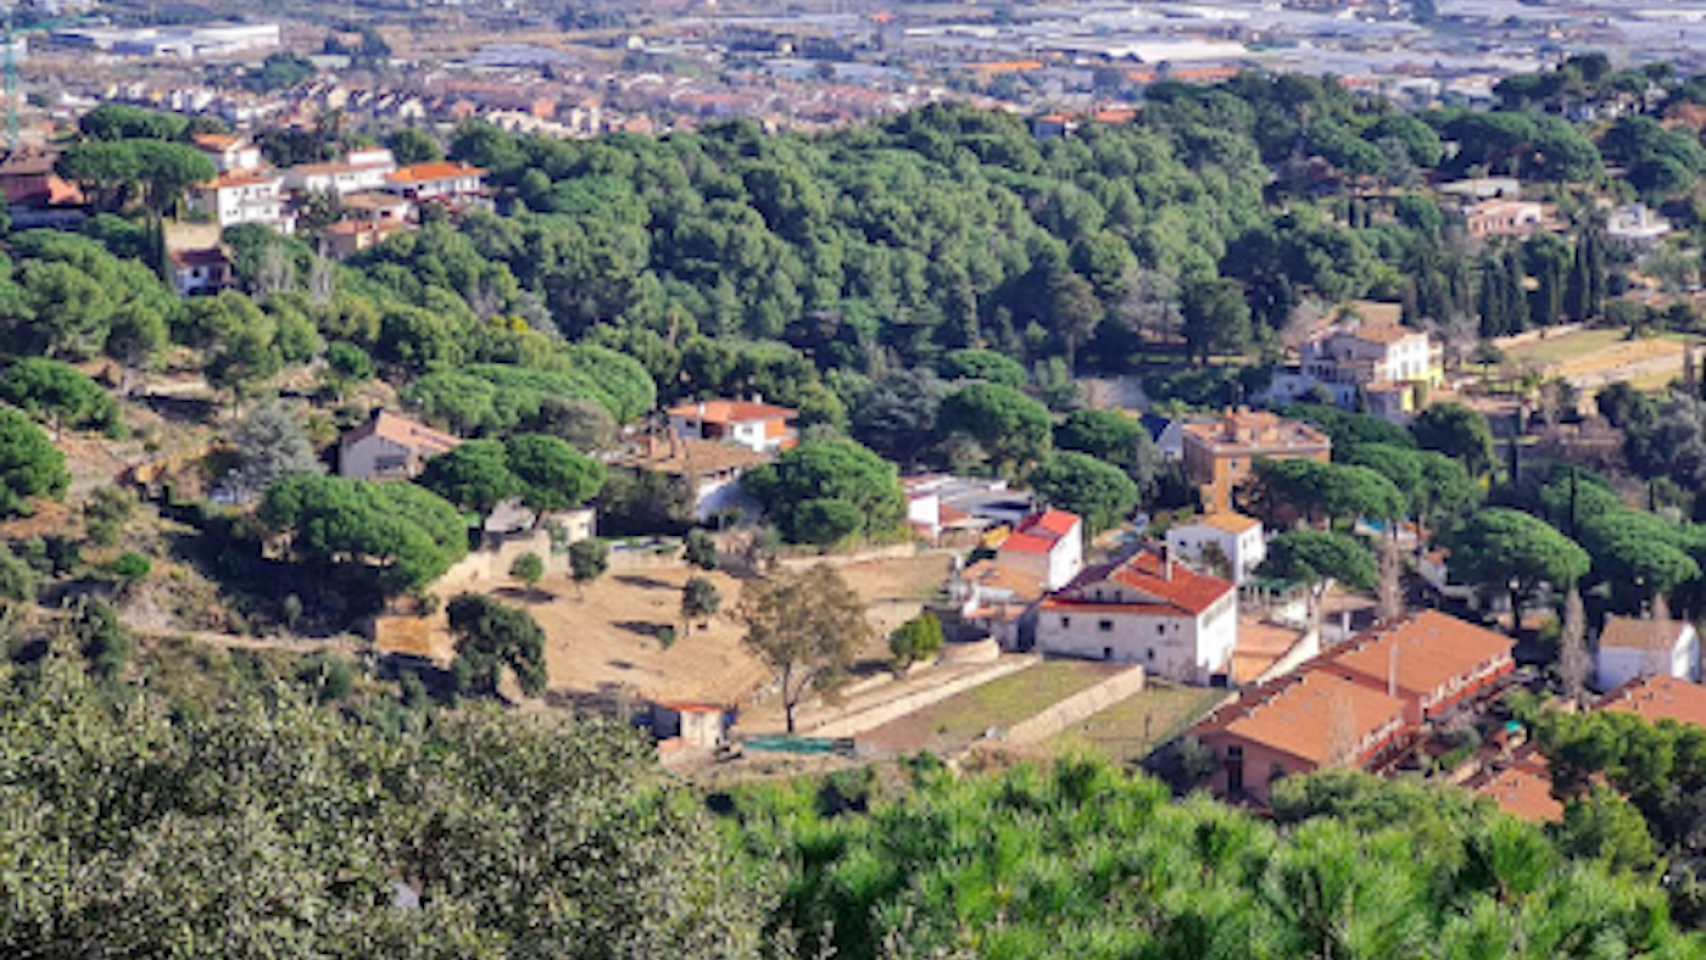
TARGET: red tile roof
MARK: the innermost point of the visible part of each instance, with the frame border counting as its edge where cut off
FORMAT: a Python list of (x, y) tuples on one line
[(1173, 584), (732, 411), (1025, 543), (1056, 522), (1525, 790), (218, 141)]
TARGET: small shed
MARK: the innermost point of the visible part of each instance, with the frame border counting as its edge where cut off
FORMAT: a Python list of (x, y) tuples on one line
[(703, 725)]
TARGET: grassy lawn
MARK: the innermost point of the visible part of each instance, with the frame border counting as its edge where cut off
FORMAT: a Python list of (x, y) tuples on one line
[(1130, 729), (957, 721)]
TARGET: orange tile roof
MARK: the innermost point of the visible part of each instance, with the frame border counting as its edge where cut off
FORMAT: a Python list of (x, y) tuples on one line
[(1433, 649), (1525, 790), (1228, 521), (1243, 429), (1384, 333), (732, 411), (239, 178), (402, 431), (218, 141), (427, 172), (1296, 715), (1659, 698), (1632, 634), (992, 574), (1172, 584)]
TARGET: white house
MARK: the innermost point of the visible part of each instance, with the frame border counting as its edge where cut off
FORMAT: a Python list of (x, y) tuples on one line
[(360, 170), (441, 181), (246, 196), (753, 424), (1048, 546), (201, 271), (1237, 538), (389, 446), (1177, 623), (230, 153), (1637, 226), (1630, 648)]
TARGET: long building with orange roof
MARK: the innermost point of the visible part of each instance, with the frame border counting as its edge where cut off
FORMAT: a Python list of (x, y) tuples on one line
[(1432, 661), (1298, 724)]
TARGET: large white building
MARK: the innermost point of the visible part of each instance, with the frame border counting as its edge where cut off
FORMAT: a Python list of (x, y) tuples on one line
[(244, 196), (358, 171), (183, 43), (1176, 622), (1630, 648), (1236, 537)]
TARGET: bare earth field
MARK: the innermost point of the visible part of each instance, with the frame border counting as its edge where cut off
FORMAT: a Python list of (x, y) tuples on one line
[(610, 634)]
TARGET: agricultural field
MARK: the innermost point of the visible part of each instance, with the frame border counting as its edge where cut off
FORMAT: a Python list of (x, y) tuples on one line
[(954, 723), (1132, 728)]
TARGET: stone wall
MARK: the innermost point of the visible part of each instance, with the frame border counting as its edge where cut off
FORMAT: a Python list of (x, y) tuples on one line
[(1078, 707)]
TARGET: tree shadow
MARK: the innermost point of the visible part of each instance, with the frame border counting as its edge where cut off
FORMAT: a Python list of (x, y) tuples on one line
[(643, 628), (197, 410), (524, 595), (647, 583)]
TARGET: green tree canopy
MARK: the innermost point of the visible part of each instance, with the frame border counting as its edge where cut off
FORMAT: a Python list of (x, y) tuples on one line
[(59, 394), (30, 465), (835, 471), (1099, 492), (1011, 427), (1503, 549), (491, 636), (1458, 432)]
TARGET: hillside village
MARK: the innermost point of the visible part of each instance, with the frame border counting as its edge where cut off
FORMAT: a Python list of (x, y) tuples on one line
[(1267, 441)]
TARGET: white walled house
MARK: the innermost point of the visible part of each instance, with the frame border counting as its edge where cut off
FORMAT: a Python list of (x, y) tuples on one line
[(441, 181), (359, 170), (711, 470), (1177, 623), (1630, 648), (230, 153), (390, 446), (753, 424), (1238, 538), (1048, 546), (250, 196)]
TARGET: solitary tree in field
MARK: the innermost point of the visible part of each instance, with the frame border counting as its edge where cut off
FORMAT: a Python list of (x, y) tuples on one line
[(700, 600), (528, 568), (491, 636), (588, 559), (807, 628)]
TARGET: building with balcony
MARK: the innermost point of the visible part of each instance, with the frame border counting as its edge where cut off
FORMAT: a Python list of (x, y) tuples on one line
[(753, 424)]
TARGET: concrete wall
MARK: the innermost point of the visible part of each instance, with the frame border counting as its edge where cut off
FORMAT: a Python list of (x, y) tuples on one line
[(1079, 707), (492, 563), (849, 725)]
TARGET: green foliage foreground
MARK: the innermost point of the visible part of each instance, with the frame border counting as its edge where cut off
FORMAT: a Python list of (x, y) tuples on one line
[(277, 828), (1083, 862), (283, 830)]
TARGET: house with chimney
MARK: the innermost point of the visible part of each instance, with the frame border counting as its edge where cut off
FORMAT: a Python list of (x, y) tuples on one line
[(1221, 455), (390, 446), (753, 424), (1147, 609), (1430, 661)]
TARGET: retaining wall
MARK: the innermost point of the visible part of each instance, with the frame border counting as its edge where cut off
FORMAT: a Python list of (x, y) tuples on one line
[(1079, 707), (857, 723)]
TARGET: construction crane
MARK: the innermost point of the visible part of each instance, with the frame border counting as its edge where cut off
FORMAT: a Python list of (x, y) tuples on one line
[(10, 65)]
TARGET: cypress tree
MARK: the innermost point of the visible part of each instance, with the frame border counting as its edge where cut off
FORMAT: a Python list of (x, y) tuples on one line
[(1493, 320), (1516, 301)]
